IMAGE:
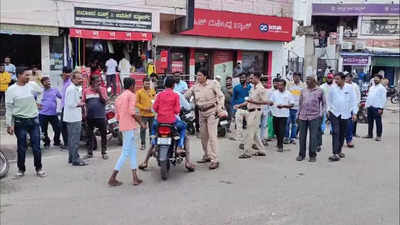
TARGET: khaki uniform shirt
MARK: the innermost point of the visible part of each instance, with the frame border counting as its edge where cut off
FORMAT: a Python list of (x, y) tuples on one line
[(257, 93), (206, 95)]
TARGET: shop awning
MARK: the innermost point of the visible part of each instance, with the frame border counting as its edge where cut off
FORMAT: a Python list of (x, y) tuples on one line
[(110, 35), (386, 61), (28, 30)]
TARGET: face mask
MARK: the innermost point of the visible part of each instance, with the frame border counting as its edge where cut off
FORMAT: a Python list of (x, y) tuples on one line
[(329, 82)]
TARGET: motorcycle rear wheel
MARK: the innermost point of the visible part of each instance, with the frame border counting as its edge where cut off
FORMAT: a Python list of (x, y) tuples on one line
[(4, 165), (164, 167)]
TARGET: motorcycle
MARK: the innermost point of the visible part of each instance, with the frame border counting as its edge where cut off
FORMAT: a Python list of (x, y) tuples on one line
[(4, 165), (112, 124), (189, 118), (391, 91), (395, 99), (166, 153), (362, 111)]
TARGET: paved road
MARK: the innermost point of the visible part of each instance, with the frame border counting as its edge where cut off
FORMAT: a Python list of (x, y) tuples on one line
[(362, 189)]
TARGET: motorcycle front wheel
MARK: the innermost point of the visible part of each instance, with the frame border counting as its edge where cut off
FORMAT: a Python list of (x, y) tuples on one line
[(4, 165)]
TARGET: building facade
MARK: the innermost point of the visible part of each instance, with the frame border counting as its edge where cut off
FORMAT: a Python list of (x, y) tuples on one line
[(358, 37), (56, 33)]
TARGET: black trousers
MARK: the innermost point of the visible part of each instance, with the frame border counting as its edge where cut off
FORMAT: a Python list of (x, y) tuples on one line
[(64, 130), (315, 128), (339, 132), (279, 124), (373, 115), (44, 121), (2, 98), (149, 122), (102, 126)]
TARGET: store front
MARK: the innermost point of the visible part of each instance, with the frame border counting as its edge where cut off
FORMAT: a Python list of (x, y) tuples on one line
[(92, 48), (27, 45), (390, 65), (356, 62), (220, 40)]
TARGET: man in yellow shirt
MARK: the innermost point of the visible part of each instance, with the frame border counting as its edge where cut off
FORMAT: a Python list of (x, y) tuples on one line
[(5, 79), (144, 101)]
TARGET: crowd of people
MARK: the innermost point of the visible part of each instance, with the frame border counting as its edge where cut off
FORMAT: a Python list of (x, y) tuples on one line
[(257, 114)]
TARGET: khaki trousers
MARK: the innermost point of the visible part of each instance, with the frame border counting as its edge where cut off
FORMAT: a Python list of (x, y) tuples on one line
[(239, 117), (208, 133), (252, 134)]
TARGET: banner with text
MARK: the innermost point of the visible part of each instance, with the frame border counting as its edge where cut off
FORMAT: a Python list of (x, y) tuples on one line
[(240, 25)]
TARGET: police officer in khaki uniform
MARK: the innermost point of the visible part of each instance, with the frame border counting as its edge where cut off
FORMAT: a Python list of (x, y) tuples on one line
[(210, 101), (257, 99)]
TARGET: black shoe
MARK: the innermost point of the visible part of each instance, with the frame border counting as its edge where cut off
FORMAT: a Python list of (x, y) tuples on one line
[(280, 149), (313, 159), (57, 144), (254, 146), (241, 146), (367, 137), (80, 163), (342, 155), (299, 158), (63, 147), (244, 156), (319, 148), (334, 158)]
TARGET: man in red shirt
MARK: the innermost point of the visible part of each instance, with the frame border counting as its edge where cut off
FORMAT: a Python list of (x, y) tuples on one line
[(167, 107)]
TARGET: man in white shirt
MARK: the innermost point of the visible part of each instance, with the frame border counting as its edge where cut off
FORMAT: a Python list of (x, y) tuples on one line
[(73, 118), (294, 88), (326, 87), (124, 68), (376, 100), (111, 72), (282, 101), (352, 125), (342, 106)]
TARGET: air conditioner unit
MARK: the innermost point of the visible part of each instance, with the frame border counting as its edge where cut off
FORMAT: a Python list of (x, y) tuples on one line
[(347, 45), (360, 45)]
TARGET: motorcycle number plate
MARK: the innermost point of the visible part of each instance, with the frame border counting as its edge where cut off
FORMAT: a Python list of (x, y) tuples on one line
[(223, 123), (113, 120), (163, 141)]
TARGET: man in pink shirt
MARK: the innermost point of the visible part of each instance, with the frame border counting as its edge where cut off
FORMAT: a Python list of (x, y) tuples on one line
[(125, 113), (167, 107)]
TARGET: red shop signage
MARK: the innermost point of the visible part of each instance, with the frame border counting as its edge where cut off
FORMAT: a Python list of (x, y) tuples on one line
[(110, 35), (164, 59), (240, 25)]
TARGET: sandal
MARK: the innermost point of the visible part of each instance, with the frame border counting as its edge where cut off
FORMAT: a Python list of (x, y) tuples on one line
[(143, 166), (189, 166), (180, 151)]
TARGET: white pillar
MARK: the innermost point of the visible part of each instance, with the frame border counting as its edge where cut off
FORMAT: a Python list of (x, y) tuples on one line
[(45, 50)]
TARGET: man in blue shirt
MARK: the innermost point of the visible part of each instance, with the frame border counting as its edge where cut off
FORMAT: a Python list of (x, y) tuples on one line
[(240, 92), (48, 112), (180, 85)]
